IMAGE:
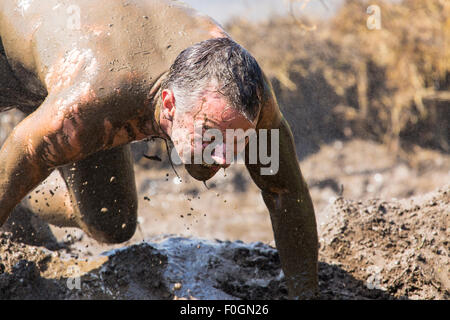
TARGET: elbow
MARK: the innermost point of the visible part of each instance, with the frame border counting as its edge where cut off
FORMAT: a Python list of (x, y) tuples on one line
[(41, 153)]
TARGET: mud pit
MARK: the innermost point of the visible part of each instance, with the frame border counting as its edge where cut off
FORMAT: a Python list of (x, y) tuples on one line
[(369, 250)]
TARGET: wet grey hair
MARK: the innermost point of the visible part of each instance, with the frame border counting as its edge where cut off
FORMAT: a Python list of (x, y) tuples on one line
[(223, 65)]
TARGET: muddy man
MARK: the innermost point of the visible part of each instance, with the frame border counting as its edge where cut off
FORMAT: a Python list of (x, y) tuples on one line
[(93, 76)]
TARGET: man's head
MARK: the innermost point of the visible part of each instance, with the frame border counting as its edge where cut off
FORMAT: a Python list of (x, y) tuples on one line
[(214, 84)]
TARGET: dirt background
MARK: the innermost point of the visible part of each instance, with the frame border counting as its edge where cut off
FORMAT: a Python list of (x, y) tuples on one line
[(369, 113)]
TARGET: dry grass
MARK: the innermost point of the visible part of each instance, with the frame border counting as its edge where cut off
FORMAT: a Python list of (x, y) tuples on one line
[(342, 79)]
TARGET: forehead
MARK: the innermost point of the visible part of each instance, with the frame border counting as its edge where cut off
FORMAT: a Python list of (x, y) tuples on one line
[(213, 108)]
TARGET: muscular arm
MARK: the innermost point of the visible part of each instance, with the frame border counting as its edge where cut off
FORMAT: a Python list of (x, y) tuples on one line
[(38, 144), (292, 213), (66, 128), (18, 173)]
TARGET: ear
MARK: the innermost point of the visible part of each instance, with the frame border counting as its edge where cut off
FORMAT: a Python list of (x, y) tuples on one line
[(168, 104)]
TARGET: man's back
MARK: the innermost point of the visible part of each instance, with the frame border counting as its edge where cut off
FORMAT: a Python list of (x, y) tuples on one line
[(137, 39)]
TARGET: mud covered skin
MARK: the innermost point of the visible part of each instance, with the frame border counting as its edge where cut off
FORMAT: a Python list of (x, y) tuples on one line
[(291, 209), (99, 83), (98, 79), (210, 112)]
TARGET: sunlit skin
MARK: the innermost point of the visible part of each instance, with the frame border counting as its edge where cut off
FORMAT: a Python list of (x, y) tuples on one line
[(212, 111), (92, 91)]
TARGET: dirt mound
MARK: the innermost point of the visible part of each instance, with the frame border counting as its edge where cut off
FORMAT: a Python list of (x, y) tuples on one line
[(400, 247), (369, 250)]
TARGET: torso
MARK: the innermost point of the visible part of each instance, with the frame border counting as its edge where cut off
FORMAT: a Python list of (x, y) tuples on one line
[(115, 44)]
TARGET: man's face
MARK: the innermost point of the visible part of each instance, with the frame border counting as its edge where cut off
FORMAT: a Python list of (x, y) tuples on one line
[(189, 132)]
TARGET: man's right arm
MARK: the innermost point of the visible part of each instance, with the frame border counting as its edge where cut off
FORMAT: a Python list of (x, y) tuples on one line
[(32, 150), (62, 130)]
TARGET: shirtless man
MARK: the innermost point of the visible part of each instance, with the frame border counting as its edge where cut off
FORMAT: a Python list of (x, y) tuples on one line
[(95, 76)]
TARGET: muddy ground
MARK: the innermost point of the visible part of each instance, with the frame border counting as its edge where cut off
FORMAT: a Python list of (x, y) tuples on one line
[(383, 223), (369, 250)]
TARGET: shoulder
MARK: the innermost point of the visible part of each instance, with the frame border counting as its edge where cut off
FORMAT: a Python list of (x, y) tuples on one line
[(270, 115)]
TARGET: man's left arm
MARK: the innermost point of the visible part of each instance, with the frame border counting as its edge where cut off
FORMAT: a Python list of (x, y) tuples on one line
[(287, 197)]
